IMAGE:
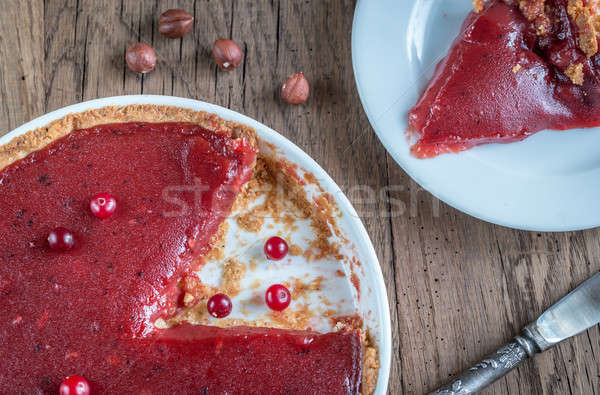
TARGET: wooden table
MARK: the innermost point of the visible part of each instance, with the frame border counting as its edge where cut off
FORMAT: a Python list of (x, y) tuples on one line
[(458, 287)]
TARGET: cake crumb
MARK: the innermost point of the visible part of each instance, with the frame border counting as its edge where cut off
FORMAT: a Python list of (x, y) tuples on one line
[(193, 285), (316, 284), (370, 366), (188, 299), (233, 273), (582, 17), (575, 73), (535, 11), (516, 68), (300, 288), (295, 250), (255, 284), (297, 318), (532, 8), (253, 264), (217, 251), (347, 322), (253, 220), (161, 324), (478, 5), (596, 22)]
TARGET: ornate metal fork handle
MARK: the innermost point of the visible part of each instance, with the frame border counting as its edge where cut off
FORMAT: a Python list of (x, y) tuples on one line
[(497, 365)]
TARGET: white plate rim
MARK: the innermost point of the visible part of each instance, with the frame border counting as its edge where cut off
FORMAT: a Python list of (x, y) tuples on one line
[(363, 243)]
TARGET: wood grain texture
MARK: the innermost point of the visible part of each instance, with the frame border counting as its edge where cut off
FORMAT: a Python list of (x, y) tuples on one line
[(21, 66), (458, 287)]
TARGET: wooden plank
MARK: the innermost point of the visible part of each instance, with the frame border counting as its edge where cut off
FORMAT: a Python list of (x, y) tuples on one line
[(21, 63), (65, 35), (539, 270), (471, 286)]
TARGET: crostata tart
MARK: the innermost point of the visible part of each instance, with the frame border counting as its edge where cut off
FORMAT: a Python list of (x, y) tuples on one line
[(102, 290)]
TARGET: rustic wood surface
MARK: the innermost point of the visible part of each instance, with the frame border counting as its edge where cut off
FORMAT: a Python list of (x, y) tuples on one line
[(458, 287)]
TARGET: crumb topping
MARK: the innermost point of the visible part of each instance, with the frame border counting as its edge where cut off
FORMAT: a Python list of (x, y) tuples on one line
[(217, 251), (297, 318), (575, 73), (582, 17), (295, 250), (231, 279), (348, 322), (582, 13), (300, 288), (534, 11), (370, 365), (478, 5), (286, 202), (253, 220)]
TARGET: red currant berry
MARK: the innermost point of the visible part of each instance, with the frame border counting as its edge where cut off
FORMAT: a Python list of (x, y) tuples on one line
[(278, 297), (103, 205), (219, 305), (61, 239), (74, 385), (276, 248)]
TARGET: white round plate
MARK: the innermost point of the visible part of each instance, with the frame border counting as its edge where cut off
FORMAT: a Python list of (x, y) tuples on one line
[(372, 304), (548, 182)]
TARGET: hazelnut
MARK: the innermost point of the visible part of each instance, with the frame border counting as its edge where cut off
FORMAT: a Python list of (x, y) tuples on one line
[(175, 23), (295, 89), (227, 54), (140, 58)]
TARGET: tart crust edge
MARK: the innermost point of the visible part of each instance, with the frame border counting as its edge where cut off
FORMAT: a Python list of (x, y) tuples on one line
[(36, 139)]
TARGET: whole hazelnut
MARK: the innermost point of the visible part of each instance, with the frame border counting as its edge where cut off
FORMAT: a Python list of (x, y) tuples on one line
[(227, 54), (295, 89), (140, 58), (175, 23)]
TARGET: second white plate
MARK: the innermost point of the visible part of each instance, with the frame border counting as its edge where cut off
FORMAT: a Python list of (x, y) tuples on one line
[(548, 182)]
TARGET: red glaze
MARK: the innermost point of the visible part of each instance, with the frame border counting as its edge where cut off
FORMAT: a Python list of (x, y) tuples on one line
[(278, 297), (246, 360), (475, 96), (103, 205), (61, 239), (89, 310), (219, 305), (276, 248), (74, 385)]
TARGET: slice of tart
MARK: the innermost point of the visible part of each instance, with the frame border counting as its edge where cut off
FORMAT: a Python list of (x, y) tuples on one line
[(84, 300), (516, 68)]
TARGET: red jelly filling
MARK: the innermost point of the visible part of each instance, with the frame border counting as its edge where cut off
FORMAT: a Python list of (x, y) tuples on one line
[(501, 82), (88, 310)]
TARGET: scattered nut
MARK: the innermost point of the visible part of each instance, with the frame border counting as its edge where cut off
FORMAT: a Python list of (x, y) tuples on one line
[(175, 23), (227, 54), (295, 89), (140, 58)]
